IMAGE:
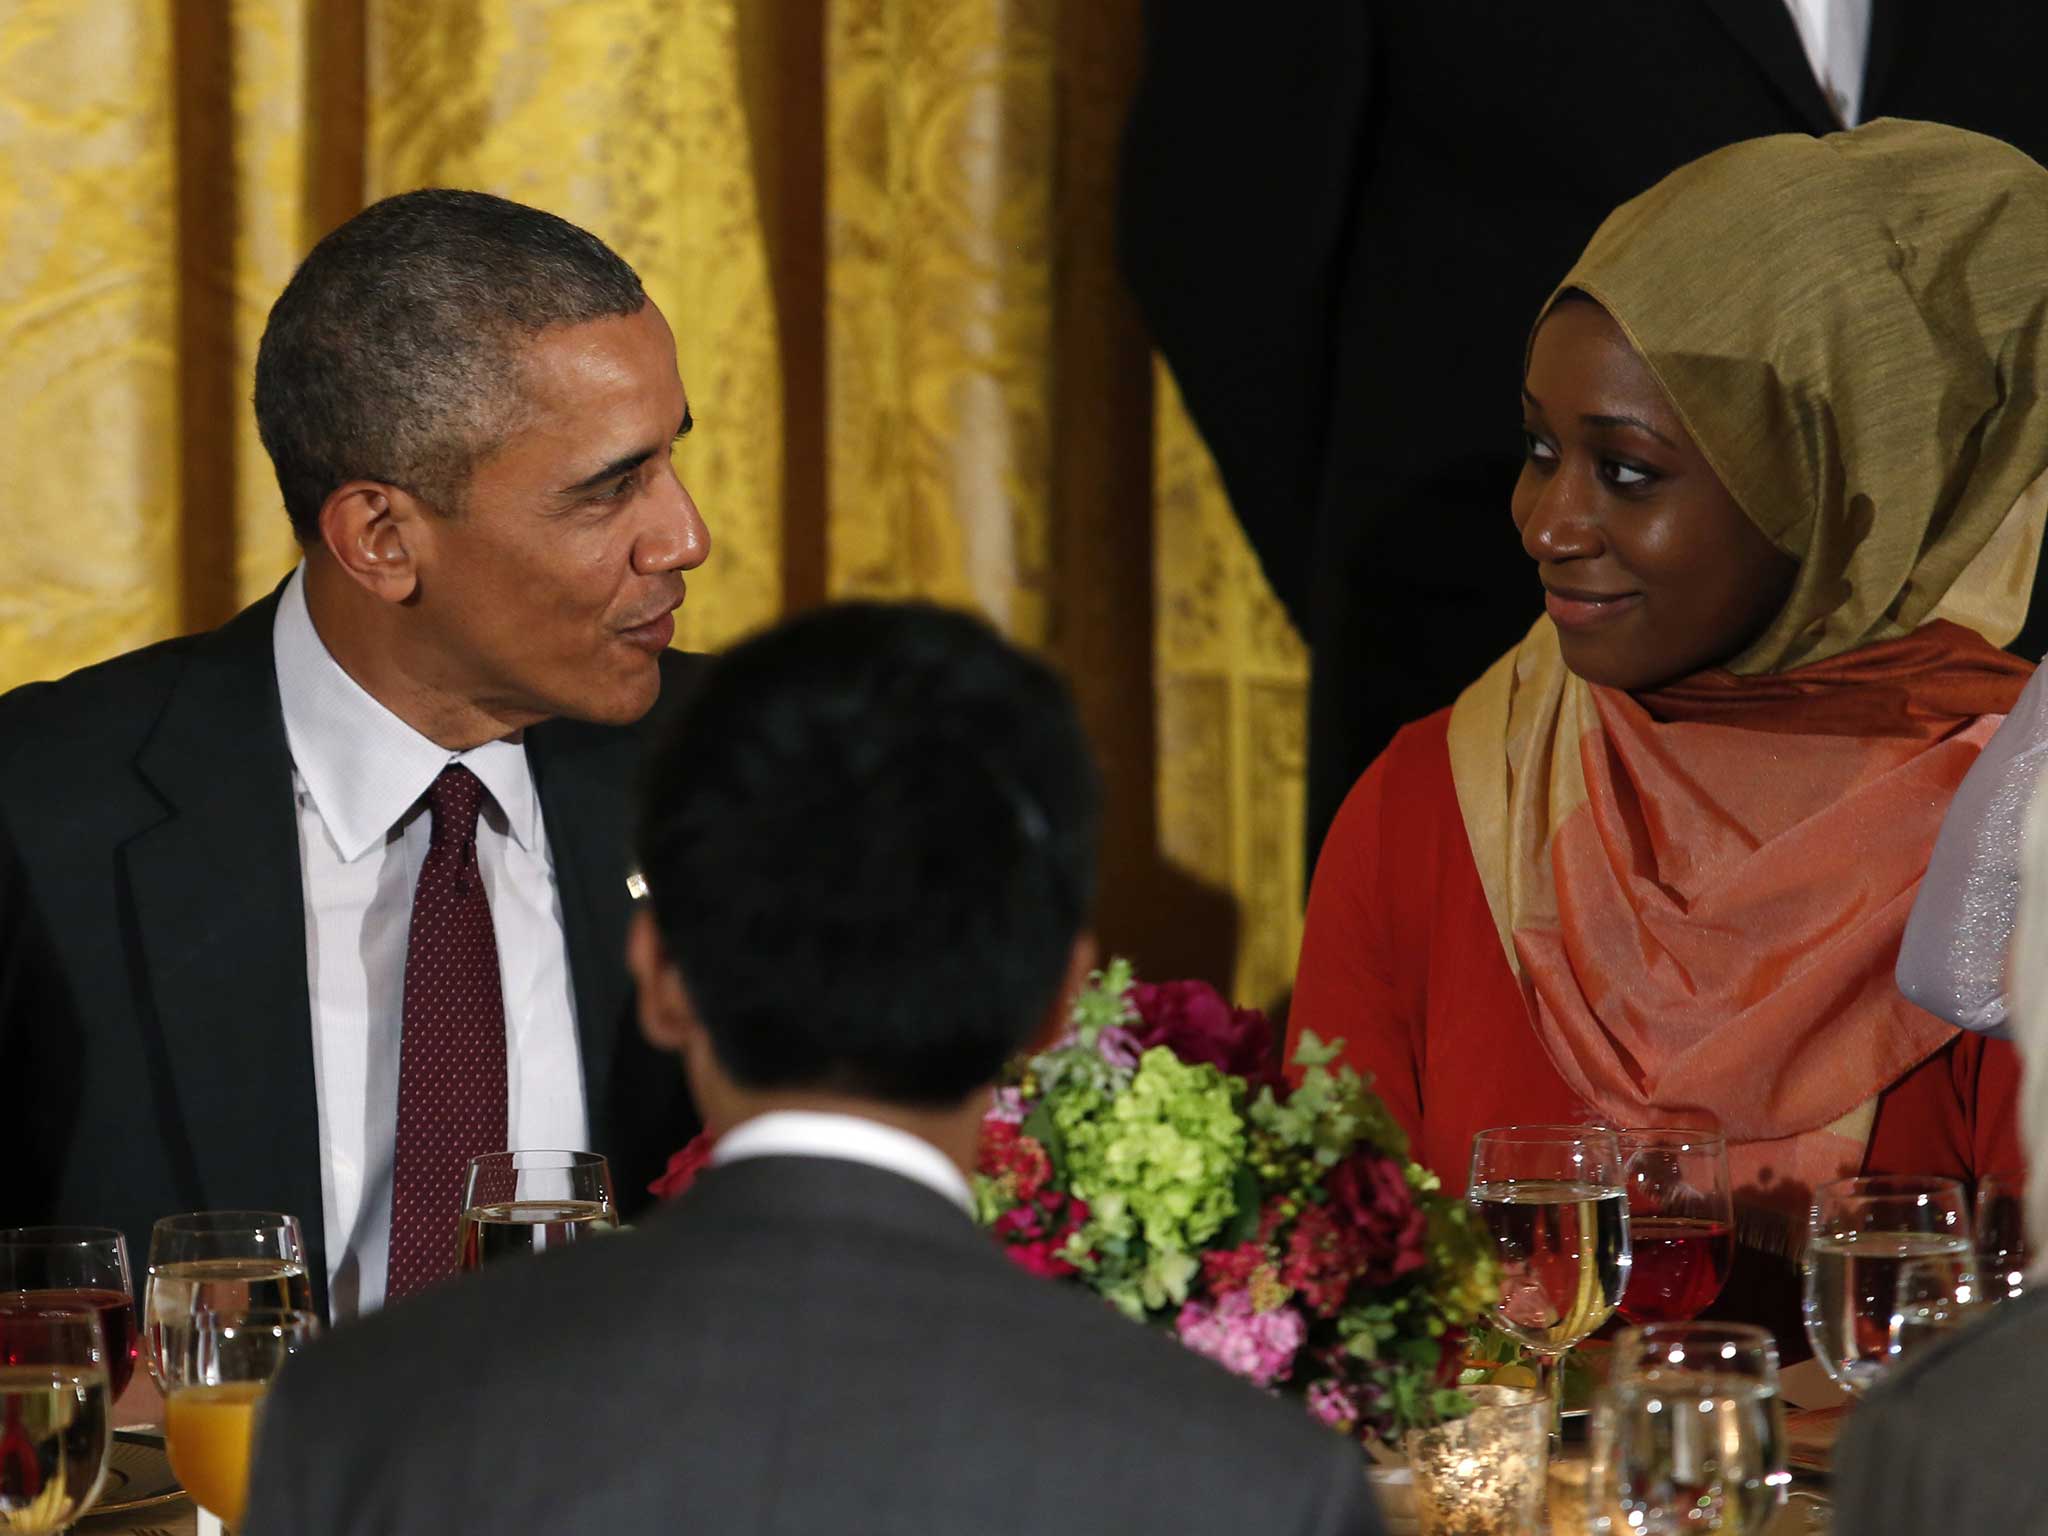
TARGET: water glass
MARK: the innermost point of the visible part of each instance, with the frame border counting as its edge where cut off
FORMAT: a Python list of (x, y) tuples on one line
[(1934, 1299), (1551, 1198), (1484, 1474), (55, 1399), (528, 1202), (1681, 1221), (1697, 1433), (1864, 1232), (216, 1368), (77, 1267), (225, 1262)]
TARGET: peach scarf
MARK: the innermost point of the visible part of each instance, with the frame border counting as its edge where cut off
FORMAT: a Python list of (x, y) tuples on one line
[(1702, 889)]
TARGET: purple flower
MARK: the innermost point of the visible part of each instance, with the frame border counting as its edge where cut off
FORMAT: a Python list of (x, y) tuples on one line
[(1118, 1046), (1259, 1346)]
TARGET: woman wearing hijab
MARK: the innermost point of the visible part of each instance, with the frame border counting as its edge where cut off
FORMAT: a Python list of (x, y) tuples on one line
[(1784, 490)]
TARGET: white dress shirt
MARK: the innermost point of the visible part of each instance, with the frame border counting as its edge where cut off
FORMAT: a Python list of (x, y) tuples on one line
[(359, 774), (850, 1138), (1836, 34)]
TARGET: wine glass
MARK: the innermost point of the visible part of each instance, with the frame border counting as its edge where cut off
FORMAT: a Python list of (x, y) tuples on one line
[(216, 1367), (528, 1202), (1681, 1222), (77, 1267), (1864, 1230), (222, 1261), (2002, 1237), (1695, 1430), (1551, 1198), (54, 1404)]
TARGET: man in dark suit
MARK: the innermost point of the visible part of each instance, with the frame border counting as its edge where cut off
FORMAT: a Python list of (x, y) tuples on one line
[(870, 852), (1340, 222), (302, 913)]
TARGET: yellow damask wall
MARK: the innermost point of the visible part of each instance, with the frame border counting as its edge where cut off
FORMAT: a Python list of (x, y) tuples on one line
[(882, 230)]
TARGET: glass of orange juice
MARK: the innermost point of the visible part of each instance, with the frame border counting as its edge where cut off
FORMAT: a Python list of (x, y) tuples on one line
[(216, 1366)]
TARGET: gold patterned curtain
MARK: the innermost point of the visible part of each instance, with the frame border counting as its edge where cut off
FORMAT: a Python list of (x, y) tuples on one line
[(882, 232)]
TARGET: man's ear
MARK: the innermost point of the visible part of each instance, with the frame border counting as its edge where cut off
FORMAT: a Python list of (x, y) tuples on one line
[(373, 531), (666, 1017)]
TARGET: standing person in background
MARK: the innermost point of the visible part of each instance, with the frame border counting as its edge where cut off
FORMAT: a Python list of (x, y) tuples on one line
[(301, 914), (1339, 217)]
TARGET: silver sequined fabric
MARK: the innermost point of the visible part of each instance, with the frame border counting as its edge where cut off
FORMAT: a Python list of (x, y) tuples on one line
[(1952, 961)]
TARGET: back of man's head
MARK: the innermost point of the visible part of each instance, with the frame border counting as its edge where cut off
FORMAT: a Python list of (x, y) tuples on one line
[(869, 844), (392, 355)]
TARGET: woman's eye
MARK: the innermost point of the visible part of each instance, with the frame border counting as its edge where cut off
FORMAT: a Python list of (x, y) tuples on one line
[(1534, 448), (1627, 475)]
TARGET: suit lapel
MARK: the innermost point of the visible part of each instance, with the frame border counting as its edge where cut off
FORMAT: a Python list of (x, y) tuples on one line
[(582, 773), (1766, 31), (219, 916)]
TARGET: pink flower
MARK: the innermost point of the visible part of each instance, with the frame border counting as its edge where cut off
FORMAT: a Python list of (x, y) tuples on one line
[(1035, 1233), (1369, 1193), (683, 1168), (1331, 1403), (1259, 1346), (1196, 1022), (1006, 1107)]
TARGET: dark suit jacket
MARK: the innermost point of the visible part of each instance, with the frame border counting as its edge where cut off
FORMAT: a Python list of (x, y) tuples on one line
[(799, 1345), (155, 1027), (1340, 223), (1951, 1442)]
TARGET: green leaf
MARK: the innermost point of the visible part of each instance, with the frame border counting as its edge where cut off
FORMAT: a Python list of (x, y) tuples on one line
[(1040, 1127), (1310, 1051), (1244, 1226)]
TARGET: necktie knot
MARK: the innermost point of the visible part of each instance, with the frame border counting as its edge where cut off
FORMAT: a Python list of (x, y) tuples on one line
[(456, 799)]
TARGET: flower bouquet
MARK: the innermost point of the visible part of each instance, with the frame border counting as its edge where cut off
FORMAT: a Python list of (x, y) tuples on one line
[(1155, 1156)]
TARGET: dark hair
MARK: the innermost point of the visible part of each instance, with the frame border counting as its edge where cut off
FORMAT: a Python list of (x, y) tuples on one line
[(870, 845), (392, 353)]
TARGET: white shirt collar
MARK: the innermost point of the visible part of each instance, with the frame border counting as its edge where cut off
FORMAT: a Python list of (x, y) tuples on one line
[(364, 767), (851, 1138)]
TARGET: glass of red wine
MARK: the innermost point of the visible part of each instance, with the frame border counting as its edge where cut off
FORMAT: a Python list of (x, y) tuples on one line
[(67, 1267), (1681, 1221)]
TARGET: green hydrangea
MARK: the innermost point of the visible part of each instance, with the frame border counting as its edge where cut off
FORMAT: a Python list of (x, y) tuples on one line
[(1158, 1161)]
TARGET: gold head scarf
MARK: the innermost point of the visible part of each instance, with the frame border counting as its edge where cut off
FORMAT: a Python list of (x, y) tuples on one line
[(1702, 888)]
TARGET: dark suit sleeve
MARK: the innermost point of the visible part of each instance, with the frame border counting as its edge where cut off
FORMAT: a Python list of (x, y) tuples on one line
[(1240, 164), (39, 1051), (278, 1477), (1874, 1467), (1346, 1507)]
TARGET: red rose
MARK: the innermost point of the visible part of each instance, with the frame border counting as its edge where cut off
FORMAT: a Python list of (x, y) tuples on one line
[(683, 1168), (1369, 1193), (1196, 1022)]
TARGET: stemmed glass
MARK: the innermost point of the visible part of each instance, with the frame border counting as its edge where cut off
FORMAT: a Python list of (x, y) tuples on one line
[(54, 1403), (1681, 1222), (2002, 1237), (1864, 1232), (527, 1202), (1551, 1197), (225, 1262), (77, 1267), (1695, 1428), (216, 1368)]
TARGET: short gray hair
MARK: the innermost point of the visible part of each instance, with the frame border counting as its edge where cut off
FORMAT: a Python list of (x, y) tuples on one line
[(392, 354)]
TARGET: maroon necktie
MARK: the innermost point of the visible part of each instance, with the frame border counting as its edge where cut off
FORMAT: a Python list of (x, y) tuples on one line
[(451, 1060)]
